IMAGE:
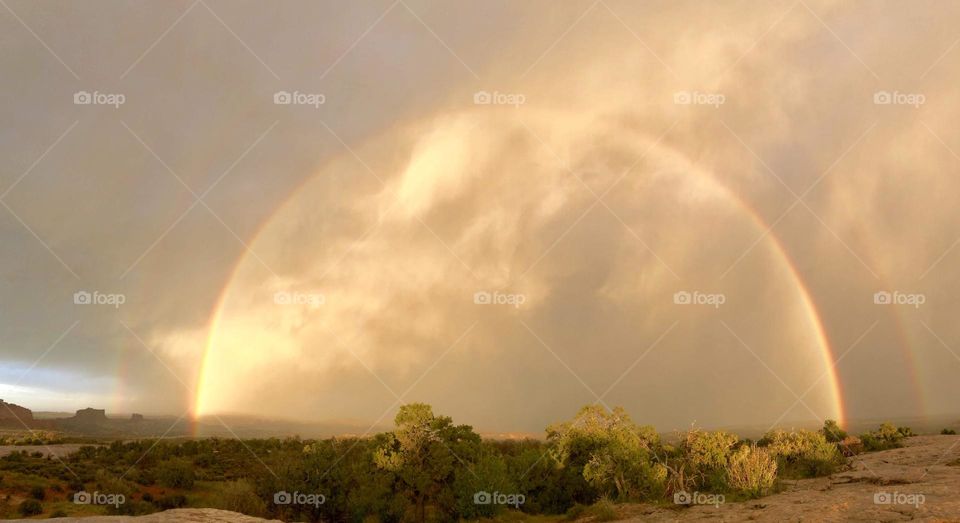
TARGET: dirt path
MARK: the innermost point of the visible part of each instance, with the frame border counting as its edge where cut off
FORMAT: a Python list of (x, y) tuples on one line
[(916, 479)]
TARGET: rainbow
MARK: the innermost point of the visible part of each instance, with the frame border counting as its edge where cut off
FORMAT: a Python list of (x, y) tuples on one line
[(808, 305)]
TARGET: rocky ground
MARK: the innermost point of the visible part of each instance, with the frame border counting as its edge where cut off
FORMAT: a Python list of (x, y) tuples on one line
[(918, 479)]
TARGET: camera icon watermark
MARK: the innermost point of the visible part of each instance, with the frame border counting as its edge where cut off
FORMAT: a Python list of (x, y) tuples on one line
[(98, 98), (298, 98), (498, 498), (698, 98), (898, 98), (899, 498), (308, 299), (699, 298), (98, 298), (98, 498), (498, 98), (698, 498), (298, 498), (899, 298), (499, 298)]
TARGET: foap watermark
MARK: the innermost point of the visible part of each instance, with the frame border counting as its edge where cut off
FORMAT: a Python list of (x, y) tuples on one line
[(309, 299), (298, 498), (899, 298), (298, 98), (899, 498), (498, 98), (698, 498), (898, 98), (98, 98), (498, 498), (699, 298), (98, 298), (499, 298), (99, 498), (698, 98)]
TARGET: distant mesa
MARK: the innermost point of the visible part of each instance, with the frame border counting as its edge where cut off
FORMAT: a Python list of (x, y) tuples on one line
[(85, 421), (17, 417), (90, 416), (15, 413)]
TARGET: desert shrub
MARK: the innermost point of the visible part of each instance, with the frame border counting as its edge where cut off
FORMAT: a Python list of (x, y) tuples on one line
[(885, 437), (239, 496), (705, 455), (751, 470), (38, 493), (576, 512), (613, 454), (832, 431), (30, 507), (603, 510), (802, 453), (175, 473), (850, 446), (948, 432), (906, 432), (108, 483), (171, 501)]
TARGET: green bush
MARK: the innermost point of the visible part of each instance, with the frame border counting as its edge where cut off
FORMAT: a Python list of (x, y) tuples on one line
[(614, 455), (751, 470), (30, 507), (948, 432), (576, 512), (705, 455), (802, 453), (239, 496), (38, 493), (885, 437), (603, 510), (172, 501), (175, 473), (832, 431), (906, 432)]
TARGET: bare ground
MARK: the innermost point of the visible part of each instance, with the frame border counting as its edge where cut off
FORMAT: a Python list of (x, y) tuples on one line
[(922, 467)]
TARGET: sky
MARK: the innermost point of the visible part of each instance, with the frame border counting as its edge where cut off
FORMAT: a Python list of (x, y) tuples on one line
[(709, 213)]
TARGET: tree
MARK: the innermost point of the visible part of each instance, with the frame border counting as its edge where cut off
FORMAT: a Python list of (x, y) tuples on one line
[(706, 455), (614, 454), (425, 453), (832, 431)]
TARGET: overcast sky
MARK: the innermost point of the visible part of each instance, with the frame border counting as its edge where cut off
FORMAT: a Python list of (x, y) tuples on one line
[(780, 161)]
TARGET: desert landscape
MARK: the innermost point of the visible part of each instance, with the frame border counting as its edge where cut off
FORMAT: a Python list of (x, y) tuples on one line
[(397, 261), (916, 482)]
